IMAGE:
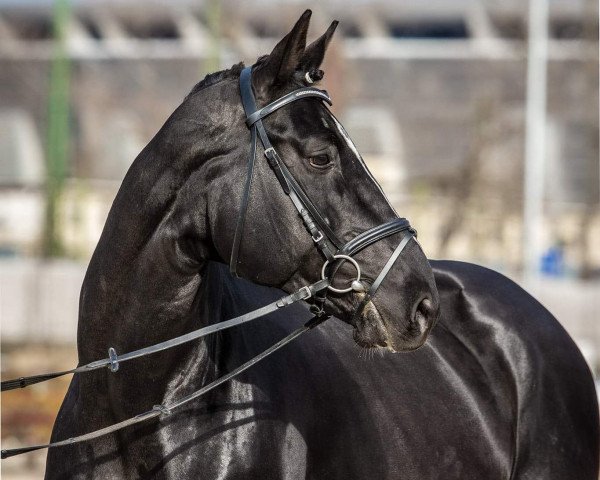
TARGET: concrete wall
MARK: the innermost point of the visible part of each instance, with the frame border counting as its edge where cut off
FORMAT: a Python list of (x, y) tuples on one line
[(39, 301)]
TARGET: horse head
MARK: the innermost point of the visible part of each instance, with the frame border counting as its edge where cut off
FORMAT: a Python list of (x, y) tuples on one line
[(274, 245), (187, 200)]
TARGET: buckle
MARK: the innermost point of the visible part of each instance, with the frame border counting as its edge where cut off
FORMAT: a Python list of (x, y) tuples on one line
[(162, 409), (303, 293), (308, 292), (319, 237), (272, 158), (270, 153)]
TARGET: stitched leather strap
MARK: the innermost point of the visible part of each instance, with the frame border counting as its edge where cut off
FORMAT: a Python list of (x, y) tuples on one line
[(161, 410), (302, 294), (375, 234), (324, 238), (289, 98), (23, 382), (239, 228), (386, 269)]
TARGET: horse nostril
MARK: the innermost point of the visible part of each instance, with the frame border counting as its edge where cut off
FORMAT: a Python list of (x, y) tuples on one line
[(424, 315)]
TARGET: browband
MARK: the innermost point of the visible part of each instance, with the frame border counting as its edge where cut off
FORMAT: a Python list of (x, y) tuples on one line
[(283, 101)]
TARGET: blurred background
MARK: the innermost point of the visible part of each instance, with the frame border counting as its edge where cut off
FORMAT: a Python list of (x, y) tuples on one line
[(479, 118)]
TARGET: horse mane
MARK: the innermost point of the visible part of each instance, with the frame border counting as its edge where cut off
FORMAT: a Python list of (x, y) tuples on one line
[(234, 72), (216, 77)]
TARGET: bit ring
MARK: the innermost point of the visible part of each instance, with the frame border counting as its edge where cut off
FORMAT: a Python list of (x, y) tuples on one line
[(353, 262)]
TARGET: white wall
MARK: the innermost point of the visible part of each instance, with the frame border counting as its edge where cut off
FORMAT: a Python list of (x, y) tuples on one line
[(39, 300)]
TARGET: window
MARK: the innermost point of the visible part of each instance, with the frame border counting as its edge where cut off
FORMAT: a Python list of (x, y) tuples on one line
[(510, 28), (31, 26), (429, 29), (162, 28), (91, 28), (566, 29)]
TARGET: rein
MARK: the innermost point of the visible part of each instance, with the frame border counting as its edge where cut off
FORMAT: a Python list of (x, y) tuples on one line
[(326, 241), (160, 410), (113, 360)]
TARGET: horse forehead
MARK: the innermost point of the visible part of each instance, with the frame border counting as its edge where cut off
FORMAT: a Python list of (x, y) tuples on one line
[(319, 119), (309, 114)]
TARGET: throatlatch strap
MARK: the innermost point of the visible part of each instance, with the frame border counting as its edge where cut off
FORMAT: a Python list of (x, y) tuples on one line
[(239, 228)]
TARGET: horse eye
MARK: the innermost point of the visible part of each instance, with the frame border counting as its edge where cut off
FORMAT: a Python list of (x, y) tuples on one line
[(320, 161)]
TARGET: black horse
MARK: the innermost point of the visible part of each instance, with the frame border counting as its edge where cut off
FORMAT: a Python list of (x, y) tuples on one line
[(500, 391)]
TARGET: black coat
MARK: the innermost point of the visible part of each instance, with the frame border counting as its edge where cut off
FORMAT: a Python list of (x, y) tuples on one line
[(498, 391)]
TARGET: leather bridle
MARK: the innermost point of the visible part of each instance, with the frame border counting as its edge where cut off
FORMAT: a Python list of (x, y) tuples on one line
[(326, 241), (333, 250)]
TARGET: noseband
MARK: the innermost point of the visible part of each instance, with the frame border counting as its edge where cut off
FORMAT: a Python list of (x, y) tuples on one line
[(333, 250), (326, 241)]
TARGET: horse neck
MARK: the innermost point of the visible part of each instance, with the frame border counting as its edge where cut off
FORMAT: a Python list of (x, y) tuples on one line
[(142, 281)]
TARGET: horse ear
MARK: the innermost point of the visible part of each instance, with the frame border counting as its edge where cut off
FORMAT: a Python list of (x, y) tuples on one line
[(281, 64), (314, 54)]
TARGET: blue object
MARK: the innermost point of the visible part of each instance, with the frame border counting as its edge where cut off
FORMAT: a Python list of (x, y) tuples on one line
[(553, 262)]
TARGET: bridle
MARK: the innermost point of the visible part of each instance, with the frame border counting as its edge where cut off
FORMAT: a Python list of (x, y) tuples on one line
[(333, 250), (326, 241)]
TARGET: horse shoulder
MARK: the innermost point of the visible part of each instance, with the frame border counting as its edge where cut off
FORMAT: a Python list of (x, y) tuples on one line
[(508, 331)]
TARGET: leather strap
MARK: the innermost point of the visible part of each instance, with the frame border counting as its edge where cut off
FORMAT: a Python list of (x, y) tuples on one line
[(312, 209), (375, 234), (283, 101), (367, 238), (324, 238), (385, 270), (164, 410), (239, 228), (23, 382), (302, 294)]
